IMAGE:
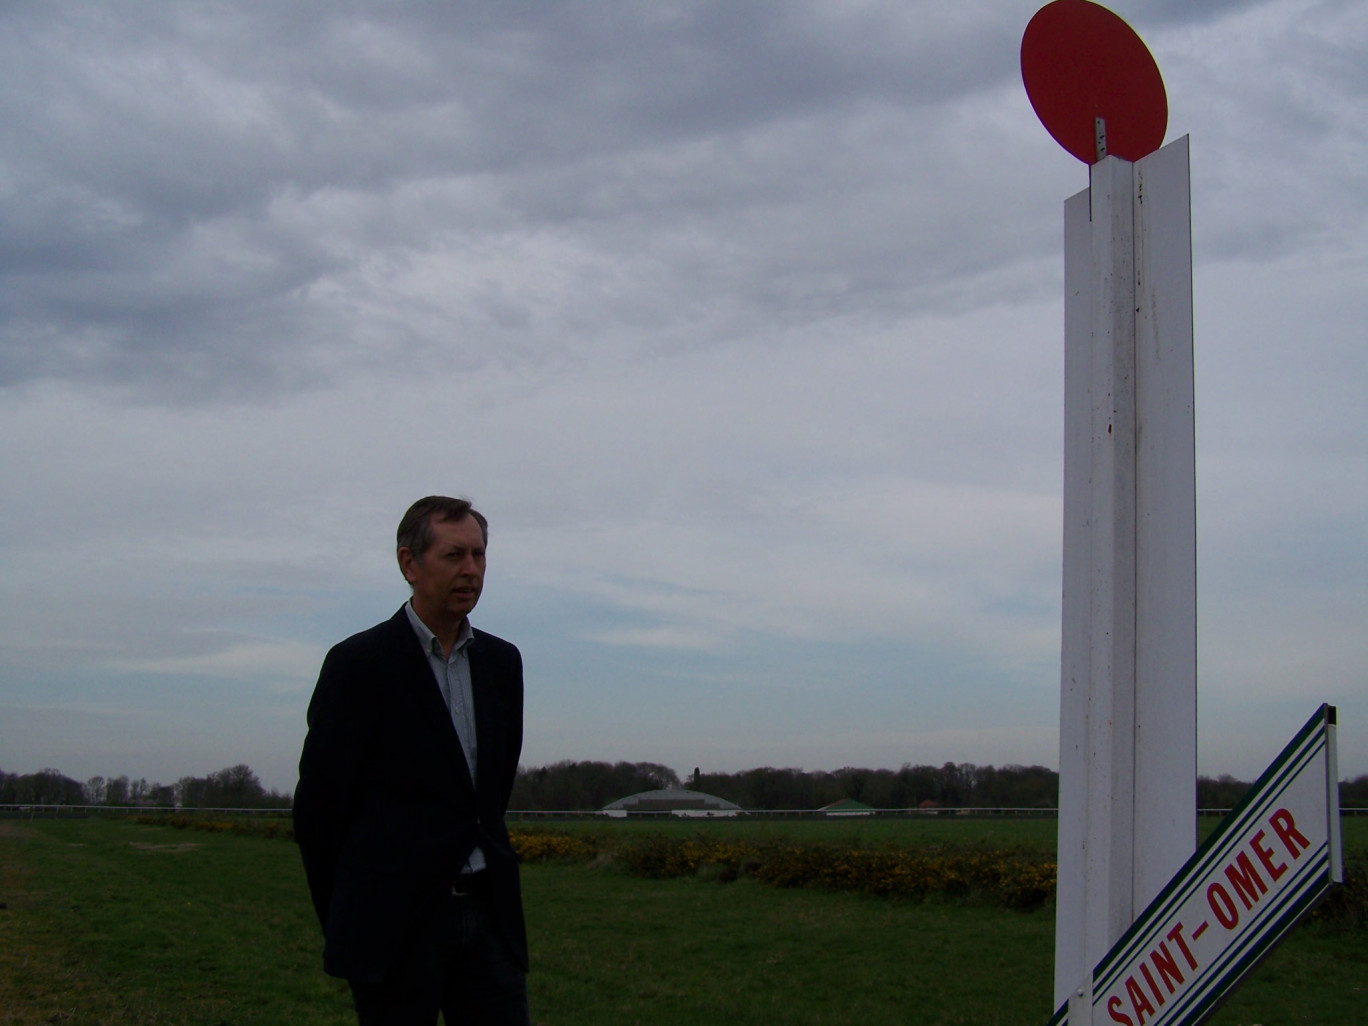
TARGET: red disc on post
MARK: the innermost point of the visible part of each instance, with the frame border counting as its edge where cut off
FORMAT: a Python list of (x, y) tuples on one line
[(1081, 62)]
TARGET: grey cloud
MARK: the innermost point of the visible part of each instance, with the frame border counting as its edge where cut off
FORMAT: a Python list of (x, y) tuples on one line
[(1140, 13), (161, 163)]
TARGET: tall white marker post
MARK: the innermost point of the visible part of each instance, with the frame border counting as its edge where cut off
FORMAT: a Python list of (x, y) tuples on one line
[(1128, 702), (1128, 707)]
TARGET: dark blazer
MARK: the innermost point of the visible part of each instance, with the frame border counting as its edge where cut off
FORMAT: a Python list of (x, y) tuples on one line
[(385, 813)]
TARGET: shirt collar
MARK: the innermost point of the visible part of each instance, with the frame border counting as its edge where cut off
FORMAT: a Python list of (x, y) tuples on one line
[(464, 638)]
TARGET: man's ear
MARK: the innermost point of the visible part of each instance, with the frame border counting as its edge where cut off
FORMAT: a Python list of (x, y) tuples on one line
[(406, 561)]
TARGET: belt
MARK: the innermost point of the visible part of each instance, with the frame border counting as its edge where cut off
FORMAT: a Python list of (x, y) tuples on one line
[(470, 885)]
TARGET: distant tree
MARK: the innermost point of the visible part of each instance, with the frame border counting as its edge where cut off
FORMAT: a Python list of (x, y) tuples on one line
[(953, 785), (1020, 787), (770, 788), (238, 787), (53, 787), (853, 783), (879, 789), (1223, 792), (1354, 793), (585, 786), (591, 785), (94, 791), (192, 792), (655, 773), (917, 784), (235, 787), (46, 787), (116, 791)]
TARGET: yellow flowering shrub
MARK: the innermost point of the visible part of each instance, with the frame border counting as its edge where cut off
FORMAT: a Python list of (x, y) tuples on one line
[(545, 847), (273, 827), (1015, 877)]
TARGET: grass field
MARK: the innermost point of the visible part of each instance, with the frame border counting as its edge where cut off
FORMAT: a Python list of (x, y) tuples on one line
[(111, 922)]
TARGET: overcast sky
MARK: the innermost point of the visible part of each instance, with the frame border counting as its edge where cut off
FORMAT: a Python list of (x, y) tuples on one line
[(741, 321)]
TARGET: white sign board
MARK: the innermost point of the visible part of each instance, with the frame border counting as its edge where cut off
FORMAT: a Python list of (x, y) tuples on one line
[(1263, 868)]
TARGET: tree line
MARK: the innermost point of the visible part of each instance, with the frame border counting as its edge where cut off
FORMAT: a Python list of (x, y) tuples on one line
[(234, 787), (585, 786), (1225, 791)]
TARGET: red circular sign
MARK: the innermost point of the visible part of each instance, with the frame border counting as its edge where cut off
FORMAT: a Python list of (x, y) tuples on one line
[(1081, 62)]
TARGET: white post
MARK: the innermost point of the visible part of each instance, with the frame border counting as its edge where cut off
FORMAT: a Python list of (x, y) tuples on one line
[(1128, 702)]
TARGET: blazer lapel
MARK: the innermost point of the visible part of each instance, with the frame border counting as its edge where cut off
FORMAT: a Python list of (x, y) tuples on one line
[(484, 685)]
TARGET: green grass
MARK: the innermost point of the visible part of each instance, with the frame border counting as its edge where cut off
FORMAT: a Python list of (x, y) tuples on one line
[(613, 949), (111, 922)]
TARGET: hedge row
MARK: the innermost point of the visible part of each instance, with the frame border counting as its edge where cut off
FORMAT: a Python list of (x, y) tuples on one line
[(1013, 877), (1016, 878), (282, 829)]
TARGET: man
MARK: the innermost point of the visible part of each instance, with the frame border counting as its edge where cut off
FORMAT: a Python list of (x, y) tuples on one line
[(415, 729)]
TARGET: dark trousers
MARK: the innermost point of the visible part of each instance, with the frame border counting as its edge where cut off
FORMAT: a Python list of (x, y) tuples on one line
[(457, 964)]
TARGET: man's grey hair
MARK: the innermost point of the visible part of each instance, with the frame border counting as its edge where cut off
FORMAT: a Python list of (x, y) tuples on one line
[(415, 529)]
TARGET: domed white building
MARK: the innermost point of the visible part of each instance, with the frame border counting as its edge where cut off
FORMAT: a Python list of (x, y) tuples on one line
[(672, 801)]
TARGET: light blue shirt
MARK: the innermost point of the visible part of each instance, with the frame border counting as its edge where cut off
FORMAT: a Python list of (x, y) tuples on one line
[(453, 680)]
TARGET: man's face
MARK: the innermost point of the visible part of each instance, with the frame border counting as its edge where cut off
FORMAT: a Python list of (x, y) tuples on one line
[(448, 579)]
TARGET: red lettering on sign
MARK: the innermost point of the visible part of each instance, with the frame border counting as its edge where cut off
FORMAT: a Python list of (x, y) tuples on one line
[(1283, 825), (1273, 869), (1139, 1003), (1167, 965), (1176, 935), (1114, 1010), (1200, 930), (1149, 978), (1223, 905), (1245, 879)]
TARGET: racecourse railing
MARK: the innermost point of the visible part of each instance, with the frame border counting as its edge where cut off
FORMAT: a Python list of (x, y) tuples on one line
[(52, 808), (47, 809)]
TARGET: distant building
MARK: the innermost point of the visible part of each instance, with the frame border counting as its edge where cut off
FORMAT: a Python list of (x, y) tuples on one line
[(847, 807), (672, 801)]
